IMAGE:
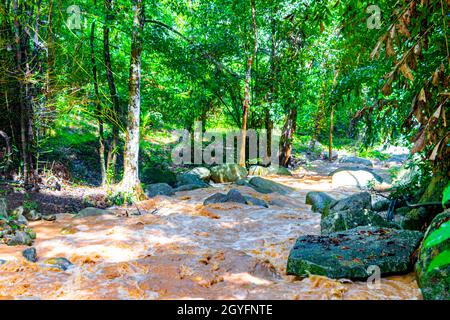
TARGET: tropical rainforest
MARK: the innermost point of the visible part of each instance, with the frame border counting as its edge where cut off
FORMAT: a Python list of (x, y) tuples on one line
[(351, 97)]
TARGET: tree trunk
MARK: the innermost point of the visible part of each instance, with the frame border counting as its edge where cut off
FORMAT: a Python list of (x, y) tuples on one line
[(248, 77), (98, 106), (112, 153), (290, 126), (130, 183), (330, 145)]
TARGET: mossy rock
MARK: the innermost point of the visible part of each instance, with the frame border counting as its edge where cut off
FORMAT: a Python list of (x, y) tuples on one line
[(433, 265), (320, 201), (228, 173)]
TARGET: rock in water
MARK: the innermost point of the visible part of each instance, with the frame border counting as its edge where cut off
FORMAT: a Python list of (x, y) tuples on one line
[(354, 178), (228, 173), (258, 171), (320, 201), (59, 263), (20, 238), (50, 217), (92, 212), (201, 172), (349, 254), (185, 179), (30, 254), (33, 215), (236, 197), (356, 160), (433, 265), (267, 186), (349, 219), (3, 208), (251, 201), (358, 201), (159, 189)]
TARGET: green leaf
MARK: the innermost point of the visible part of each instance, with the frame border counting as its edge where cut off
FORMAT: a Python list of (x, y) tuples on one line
[(441, 260), (446, 197), (438, 236)]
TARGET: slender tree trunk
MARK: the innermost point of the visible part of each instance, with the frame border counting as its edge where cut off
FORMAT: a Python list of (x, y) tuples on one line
[(98, 106), (330, 143), (287, 136), (112, 153), (248, 77), (130, 182)]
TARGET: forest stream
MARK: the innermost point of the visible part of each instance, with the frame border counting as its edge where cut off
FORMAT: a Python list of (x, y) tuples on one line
[(180, 249)]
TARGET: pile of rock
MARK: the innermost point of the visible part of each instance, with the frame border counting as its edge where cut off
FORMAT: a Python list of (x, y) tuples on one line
[(236, 197)]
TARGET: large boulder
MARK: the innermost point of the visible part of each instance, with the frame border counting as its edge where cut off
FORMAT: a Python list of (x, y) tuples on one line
[(320, 201), (358, 201), (352, 218), (155, 175), (258, 171), (359, 178), (92, 212), (159, 189), (351, 254), (184, 179), (267, 186), (201, 172), (236, 197), (279, 171), (356, 160), (229, 172), (433, 265)]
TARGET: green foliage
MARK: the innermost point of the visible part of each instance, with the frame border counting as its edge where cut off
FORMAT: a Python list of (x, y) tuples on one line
[(441, 260), (438, 236), (446, 197)]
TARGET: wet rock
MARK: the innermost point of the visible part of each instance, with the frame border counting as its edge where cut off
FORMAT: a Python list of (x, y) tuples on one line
[(187, 187), (2, 262), (3, 208), (356, 160), (267, 186), (382, 205), (433, 265), (31, 233), (320, 201), (326, 155), (92, 212), (358, 201), (354, 178), (258, 171), (17, 212), (30, 254), (19, 238), (50, 217), (185, 179), (58, 263), (33, 215), (156, 175), (159, 189), (228, 173), (278, 203), (21, 221), (414, 219), (349, 254), (352, 218), (279, 171), (201, 172), (236, 197)]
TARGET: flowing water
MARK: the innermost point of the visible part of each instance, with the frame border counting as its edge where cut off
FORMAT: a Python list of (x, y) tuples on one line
[(181, 249)]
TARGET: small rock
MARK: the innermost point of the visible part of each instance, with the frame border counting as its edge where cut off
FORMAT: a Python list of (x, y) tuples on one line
[(30, 254), (201, 172), (216, 198), (267, 186), (358, 201), (92, 212), (320, 201), (59, 263), (258, 171), (184, 179), (50, 217), (228, 173), (33, 215), (17, 212), (279, 171), (251, 201), (236, 197), (159, 189), (20, 238), (21, 221)]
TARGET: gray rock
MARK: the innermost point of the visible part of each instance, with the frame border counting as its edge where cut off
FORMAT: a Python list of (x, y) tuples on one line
[(92, 212), (236, 197), (278, 203), (228, 173), (267, 186), (433, 265), (21, 221), (19, 211), (187, 187), (382, 205), (2, 262), (33, 215), (158, 189), (59, 263), (354, 178), (201, 172), (30, 254), (251, 201), (358, 201), (50, 217), (349, 254), (356, 160), (19, 238), (279, 171), (320, 201), (3, 208), (184, 179), (349, 219), (258, 171), (216, 198), (326, 155)]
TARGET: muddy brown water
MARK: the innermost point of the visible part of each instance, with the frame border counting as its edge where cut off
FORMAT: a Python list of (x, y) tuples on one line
[(186, 251)]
